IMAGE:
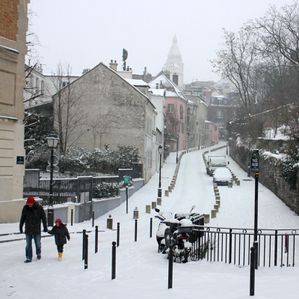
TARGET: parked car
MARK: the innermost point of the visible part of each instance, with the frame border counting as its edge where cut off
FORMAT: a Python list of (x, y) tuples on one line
[(222, 176), (214, 162)]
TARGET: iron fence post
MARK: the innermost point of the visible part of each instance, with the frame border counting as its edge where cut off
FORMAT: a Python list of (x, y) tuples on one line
[(230, 247), (86, 252), (96, 239), (275, 247), (170, 268), (252, 271), (135, 235), (113, 275), (83, 243), (151, 227), (72, 217)]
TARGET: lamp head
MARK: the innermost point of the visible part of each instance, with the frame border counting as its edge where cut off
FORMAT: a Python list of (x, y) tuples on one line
[(160, 148), (52, 141)]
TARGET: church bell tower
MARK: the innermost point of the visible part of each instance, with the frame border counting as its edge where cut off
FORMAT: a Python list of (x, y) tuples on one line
[(174, 67)]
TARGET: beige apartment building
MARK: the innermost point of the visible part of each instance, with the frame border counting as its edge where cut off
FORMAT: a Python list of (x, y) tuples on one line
[(13, 27)]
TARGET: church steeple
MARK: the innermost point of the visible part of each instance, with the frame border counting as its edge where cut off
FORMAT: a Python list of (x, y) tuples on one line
[(174, 66)]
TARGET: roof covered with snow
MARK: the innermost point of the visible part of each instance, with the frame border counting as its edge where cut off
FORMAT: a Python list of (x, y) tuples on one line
[(137, 82)]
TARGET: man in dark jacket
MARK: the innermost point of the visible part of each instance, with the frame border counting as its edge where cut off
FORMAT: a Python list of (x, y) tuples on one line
[(32, 215)]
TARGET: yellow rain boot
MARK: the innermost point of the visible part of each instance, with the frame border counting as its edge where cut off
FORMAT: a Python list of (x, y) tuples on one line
[(59, 256)]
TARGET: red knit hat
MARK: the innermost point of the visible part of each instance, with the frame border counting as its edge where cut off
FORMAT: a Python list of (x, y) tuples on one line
[(58, 220), (30, 200)]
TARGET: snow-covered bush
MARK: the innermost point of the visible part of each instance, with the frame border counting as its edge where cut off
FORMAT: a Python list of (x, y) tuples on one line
[(106, 161), (126, 155), (105, 190)]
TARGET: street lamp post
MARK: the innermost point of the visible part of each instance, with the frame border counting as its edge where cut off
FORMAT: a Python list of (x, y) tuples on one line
[(160, 164), (52, 144)]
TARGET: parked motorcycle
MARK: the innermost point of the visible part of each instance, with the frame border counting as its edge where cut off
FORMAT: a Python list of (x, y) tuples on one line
[(178, 233)]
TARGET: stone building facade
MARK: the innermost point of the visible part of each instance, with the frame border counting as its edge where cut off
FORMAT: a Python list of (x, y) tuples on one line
[(221, 110), (105, 109), (196, 117), (13, 27)]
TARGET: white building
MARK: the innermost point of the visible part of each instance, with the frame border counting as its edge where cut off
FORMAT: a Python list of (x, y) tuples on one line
[(174, 66), (40, 88)]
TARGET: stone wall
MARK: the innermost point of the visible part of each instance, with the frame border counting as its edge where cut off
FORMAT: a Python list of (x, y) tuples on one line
[(270, 175)]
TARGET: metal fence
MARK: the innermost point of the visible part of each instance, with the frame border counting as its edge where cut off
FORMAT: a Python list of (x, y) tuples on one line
[(78, 189), (276, 247)]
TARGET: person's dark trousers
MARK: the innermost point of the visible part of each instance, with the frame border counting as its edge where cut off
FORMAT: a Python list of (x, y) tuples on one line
[(37, 241), (60, 248)]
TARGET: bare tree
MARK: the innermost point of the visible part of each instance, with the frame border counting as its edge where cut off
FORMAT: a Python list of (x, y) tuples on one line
[(69, 119), (236, 61), (279, 32)]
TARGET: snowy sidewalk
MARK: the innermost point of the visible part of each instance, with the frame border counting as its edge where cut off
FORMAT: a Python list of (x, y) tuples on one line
[(140, 271)]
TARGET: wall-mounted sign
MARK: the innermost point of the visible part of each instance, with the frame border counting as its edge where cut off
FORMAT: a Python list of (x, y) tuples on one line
[(20, 160)]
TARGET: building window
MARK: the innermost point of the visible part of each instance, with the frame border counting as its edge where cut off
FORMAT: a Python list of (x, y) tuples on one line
[(31, 84), (219, 114), (175, 79), (181, 112), (37, 84), (170, 107), (42, 86)]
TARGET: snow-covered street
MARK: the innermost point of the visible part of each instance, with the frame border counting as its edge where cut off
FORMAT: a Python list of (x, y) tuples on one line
[(142, 272)]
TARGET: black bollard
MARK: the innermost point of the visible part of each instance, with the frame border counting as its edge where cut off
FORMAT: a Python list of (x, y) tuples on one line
[(96, 239), (252, 271), (151, 227), (117, 234), (72, 217), (135, 235), (92, 219), (83, 243), (170, 268), (113, 275), (86, 252)]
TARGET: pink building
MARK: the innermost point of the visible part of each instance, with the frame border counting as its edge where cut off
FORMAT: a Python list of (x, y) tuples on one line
[(175, 112)]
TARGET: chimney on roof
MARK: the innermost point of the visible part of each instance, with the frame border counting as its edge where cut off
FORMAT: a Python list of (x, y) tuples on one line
[(113, 65)]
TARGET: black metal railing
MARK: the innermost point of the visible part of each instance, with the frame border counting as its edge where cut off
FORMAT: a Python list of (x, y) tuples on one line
[(67, 189), (276, 247)]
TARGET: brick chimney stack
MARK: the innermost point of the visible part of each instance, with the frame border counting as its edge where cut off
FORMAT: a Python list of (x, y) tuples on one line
[(113, 65)]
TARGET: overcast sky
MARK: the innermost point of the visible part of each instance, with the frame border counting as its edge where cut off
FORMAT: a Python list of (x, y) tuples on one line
[(83, 33)]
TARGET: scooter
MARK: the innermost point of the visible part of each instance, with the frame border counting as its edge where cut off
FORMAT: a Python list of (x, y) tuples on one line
[(178, 233)]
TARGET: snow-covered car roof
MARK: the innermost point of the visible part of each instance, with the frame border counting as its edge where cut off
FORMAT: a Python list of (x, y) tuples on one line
[(222, 174)]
